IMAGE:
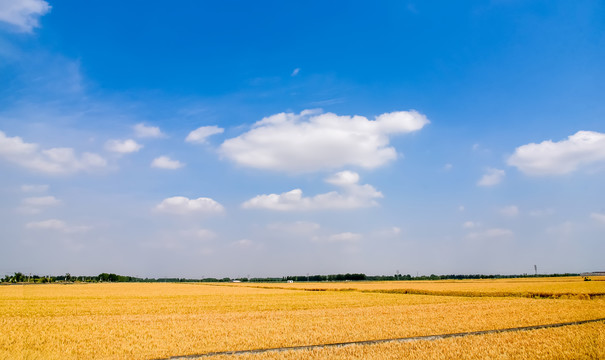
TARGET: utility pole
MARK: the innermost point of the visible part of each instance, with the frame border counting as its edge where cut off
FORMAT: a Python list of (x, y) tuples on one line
[(536, 269)]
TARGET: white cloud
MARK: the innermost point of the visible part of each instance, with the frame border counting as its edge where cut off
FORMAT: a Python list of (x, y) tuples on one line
[(204, 234), (353, 196), (47, 224), (394, 230), (242, 244), (510, 211), (448, 167), (164, 162), (29, 210), (200, 234), (143, 131), (345, 237), (312, 141), (295, 72), (542, 212), (343, 178), (41, 201), (388, 232), (200, 134), (298, 227), (491, 177), (51, 161), (34, 188), (583, 149), (34, 205), (58, 225), (182, 205), (470, 225), (491, 234), (598, 217), (123, 146), (23, 15)]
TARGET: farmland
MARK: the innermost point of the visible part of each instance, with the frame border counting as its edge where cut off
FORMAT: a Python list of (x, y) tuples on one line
[(159, 320)]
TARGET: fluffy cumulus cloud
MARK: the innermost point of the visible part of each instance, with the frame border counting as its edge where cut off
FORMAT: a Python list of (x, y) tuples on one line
[(23, 15), (580, 150), (352, 196), (123, 146), (201, 134), (182, 206), (491, 177), (164, 162), (143, 131), (56, 225), (312, 141), (50, 161)]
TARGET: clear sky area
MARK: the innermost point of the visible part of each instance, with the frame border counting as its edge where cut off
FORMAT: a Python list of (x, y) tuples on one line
[(271, 138)]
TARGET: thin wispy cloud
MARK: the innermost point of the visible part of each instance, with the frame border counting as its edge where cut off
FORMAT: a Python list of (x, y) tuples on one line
[(201, 134), (491, 177), (599, 217), (492, 233), (36, 204), (34, 188), (23, 15), (345, 237), (143, 131), (510, 211), (56, 225)]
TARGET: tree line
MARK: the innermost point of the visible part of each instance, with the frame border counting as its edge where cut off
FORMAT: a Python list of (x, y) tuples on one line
[(19, 277)]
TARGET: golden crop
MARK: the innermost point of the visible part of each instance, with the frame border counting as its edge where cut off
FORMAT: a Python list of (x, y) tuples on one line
[(565, 287), (575, 342), (145, 321)]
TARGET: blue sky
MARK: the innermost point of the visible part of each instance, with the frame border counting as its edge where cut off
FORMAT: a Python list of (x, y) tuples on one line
[(198, 139)]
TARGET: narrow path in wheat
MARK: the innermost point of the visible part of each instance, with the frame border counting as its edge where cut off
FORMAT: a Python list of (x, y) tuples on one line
[(381, 341)]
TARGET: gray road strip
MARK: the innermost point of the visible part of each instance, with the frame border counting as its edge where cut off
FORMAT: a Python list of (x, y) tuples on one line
[(381, 341)]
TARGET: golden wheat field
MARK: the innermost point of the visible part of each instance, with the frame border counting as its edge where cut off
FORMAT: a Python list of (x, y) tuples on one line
[(159, 320)]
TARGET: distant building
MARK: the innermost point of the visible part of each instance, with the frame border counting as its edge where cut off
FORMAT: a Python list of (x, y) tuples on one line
[(594, 273)]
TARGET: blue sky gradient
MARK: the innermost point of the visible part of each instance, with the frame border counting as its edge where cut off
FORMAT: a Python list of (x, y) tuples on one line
[(166, 139)]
